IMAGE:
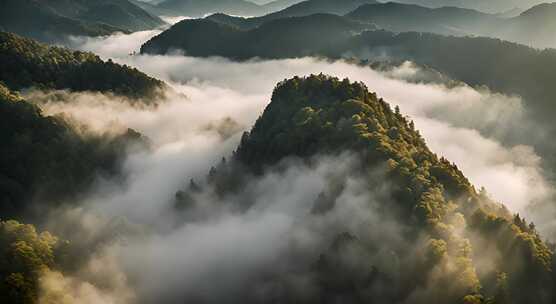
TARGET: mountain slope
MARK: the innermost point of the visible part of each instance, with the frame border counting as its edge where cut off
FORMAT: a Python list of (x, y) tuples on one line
[(25, 63), (300, 9), (44, 159), (277, 5), (447, 20), (283, 37), (54, 20), (122, 14), (199, 8), (441, 216), (490, 6), (533, 27), (35, 20)]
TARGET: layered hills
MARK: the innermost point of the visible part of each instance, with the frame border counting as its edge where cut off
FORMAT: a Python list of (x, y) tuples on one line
[(55, 20)]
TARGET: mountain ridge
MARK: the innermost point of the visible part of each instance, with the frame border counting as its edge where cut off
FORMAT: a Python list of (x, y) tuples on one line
[(319, 115), (300, 9), (27, 63), (54, 20)]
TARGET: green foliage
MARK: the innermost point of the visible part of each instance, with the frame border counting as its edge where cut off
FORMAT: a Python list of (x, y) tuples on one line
[(320, 114), (24, 255), (45, 158), (26, 63)]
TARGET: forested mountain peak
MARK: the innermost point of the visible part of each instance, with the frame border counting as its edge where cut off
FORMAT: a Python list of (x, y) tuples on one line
[(441, 212), (320, 114)]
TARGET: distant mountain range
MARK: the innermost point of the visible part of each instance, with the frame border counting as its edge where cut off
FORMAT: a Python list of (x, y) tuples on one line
[(201, 8), (195, 8), (488, 6), (533, 27), (54, 20), (301, 9), (406, 17), (287, 37)]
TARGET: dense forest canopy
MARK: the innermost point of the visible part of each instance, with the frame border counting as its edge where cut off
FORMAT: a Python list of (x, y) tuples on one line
[(25, 256), (46, 159), (27, 63)]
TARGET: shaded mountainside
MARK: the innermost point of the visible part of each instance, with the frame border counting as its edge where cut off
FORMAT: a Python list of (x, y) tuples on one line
[(400, 17), (440, 212), (34, 20), (277, 5), (301, 9), (533, 27), (199, 8), (286, 37), (490, 6), (120, 13), (46, 160), (54, 20), (26, 63)]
